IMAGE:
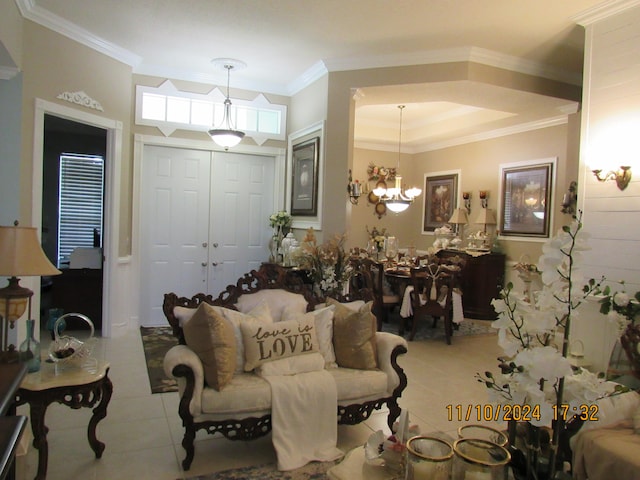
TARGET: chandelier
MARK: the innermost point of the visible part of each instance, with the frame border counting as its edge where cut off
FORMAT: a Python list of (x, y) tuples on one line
[(396, 199), (226, 136)]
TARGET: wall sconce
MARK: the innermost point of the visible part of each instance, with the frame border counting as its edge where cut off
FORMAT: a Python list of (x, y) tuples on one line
[(484, 198), (622, 176), (466, 196), (354, 189)]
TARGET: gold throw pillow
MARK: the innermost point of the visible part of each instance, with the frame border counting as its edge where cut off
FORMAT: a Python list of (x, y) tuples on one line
[(211, 337), (354, 336)]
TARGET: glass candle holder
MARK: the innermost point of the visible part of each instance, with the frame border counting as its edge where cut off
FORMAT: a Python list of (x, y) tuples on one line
[(483, 432), (428, 458), (477, 459)]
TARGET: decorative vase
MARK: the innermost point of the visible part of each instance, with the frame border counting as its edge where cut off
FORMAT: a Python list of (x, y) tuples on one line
[(30, 349), (54, 314)]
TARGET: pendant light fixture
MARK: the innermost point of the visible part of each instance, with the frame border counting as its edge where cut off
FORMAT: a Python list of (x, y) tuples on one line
[(395, 198), (227, 136)]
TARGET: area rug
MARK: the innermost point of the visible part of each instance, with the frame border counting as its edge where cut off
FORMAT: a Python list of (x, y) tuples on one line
[(156, 342), (311, 471)]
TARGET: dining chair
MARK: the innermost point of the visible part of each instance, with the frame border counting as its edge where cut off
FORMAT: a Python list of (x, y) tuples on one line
[(432, 295), (630, 341), (369, 273)]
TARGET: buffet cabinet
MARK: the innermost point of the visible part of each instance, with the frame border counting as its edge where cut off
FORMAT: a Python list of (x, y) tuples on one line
[(481, 280)]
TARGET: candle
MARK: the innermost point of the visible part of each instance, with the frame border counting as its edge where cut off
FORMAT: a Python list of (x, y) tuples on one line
[(476, 475), (423, 470)]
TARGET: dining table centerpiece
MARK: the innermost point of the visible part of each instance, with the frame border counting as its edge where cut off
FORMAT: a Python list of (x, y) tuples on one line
[(536, 382)]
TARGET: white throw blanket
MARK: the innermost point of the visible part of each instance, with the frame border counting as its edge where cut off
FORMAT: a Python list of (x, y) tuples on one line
[(456, 299), (304, 418)]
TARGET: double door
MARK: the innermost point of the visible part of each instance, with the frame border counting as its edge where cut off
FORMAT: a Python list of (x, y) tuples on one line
[(204, 222)]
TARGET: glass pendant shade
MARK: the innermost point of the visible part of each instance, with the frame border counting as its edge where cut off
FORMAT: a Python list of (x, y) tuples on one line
[(226, 138), (397, 206)]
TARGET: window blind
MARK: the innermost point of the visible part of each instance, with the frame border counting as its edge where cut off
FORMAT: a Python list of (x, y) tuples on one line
[(80, 202)]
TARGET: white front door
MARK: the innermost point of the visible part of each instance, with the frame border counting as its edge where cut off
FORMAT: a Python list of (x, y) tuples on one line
[(204, 222), (242, 191)]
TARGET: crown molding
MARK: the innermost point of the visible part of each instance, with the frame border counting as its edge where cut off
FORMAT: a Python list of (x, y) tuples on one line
[(460, 54), (312, 74), (602, 11), (43, 17), (488, 135)]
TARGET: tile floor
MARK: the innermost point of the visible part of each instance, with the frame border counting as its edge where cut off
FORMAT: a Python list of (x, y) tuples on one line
[(142, 431)]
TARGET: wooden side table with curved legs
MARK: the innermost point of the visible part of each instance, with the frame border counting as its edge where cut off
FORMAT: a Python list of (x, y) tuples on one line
[(73, 387)]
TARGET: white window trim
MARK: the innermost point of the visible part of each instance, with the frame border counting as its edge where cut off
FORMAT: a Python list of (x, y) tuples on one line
[(260, 102)]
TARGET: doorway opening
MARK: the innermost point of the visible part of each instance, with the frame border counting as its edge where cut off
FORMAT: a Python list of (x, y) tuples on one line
[(73, 224)]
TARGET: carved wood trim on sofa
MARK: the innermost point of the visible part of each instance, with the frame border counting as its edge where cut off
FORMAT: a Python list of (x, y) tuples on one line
[(274, 277)]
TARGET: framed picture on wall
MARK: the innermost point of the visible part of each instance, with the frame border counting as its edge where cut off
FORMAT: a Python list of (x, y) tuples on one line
[(440, 200), (525, 195), (304, 177)]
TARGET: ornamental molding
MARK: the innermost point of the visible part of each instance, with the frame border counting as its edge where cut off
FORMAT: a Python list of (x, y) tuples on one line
[(81, 98)]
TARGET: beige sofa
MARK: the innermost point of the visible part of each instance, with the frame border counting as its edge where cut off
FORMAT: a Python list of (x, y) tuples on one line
[(241, 409)]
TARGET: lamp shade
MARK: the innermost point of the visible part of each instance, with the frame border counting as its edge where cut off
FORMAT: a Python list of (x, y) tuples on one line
[(459, 217), (486, 217), (21, 253)]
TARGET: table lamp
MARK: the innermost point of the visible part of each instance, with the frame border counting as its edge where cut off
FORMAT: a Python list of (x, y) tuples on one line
[(458, 218), (20, 254), (486, 217)]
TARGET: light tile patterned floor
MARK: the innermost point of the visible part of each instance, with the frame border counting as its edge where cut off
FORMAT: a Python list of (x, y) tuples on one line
[(143, 432)]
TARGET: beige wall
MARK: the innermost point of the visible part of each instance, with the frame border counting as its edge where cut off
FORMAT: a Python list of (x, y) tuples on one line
[(53, 64), (479, 163), (309, 105), (11, 31)]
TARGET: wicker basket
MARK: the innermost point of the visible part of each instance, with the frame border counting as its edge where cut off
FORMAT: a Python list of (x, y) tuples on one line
[(67, 350)]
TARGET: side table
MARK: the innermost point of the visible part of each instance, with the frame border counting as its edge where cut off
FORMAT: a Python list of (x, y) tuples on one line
[(73, 387), (11, 425)]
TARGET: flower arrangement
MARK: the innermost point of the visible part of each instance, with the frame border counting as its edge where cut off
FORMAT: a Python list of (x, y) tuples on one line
[(327, 263), (536, 374), (280, 219), (376, 173), (526, 268), (377, 237), (620, 308)]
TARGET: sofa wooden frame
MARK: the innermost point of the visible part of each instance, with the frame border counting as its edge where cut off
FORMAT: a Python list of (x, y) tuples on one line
[(269, 276)]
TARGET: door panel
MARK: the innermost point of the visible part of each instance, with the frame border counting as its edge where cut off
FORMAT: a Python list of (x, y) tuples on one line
[(175, 200), (241, 202), (204, 222)]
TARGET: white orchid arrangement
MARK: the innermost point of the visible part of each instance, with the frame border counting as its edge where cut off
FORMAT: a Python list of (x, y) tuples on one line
[(534, 335)]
